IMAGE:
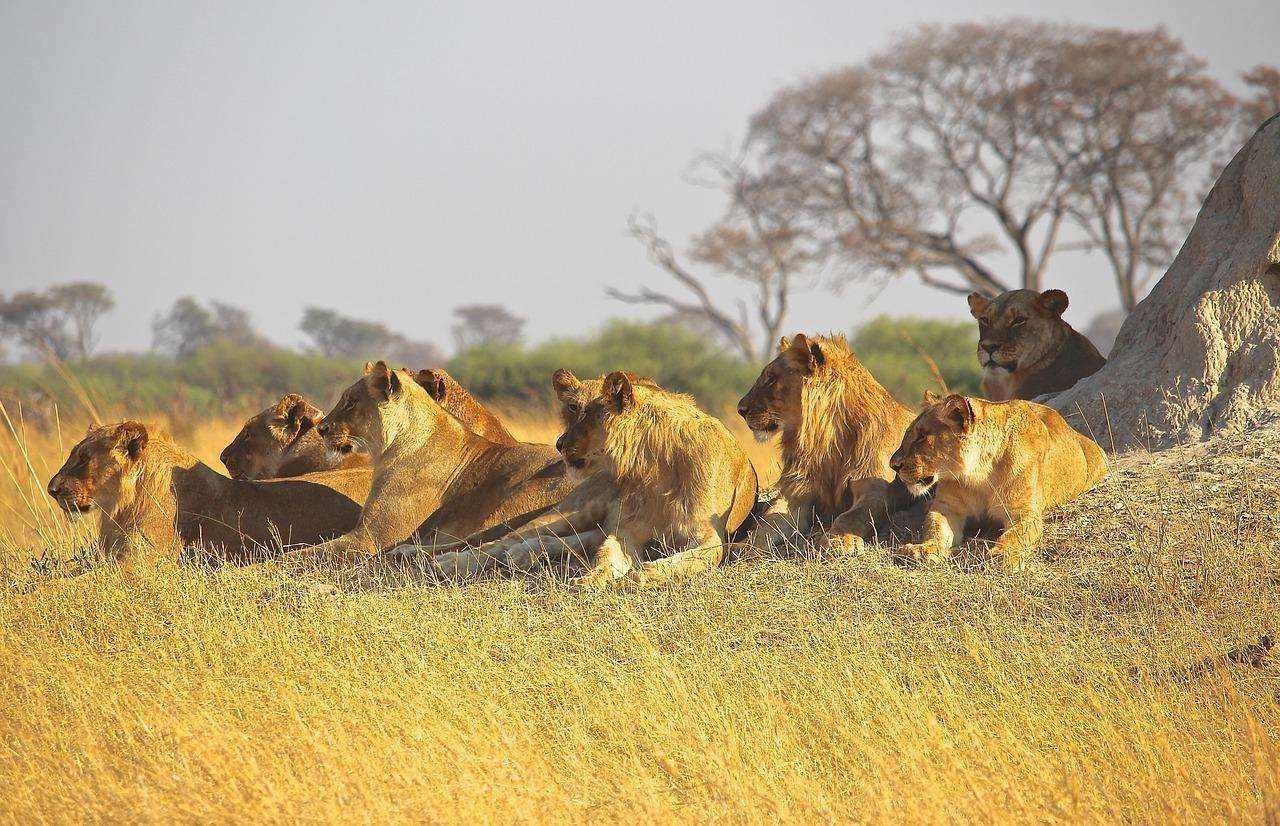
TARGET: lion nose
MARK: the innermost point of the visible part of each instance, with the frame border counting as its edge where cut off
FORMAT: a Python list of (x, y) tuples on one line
[(323, 428), (56, 488), (895, 462), (560, 444), (743, 410)]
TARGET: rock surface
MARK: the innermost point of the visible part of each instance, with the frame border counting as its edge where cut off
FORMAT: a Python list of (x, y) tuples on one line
[(1200, 355)]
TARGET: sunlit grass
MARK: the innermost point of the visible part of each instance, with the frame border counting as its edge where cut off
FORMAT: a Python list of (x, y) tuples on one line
[(811, 689)]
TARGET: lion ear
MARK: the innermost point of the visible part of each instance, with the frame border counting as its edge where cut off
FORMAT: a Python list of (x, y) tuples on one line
[(368, 367), (618, 389), (805, 354), (931, 398), (433, 383), (301, 414), (784, 344), (132, 437), (1052, 303), (978, 304), (385, 382), (959, 410), (562, 381)]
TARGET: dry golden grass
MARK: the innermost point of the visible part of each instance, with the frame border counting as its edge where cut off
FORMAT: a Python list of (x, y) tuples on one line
[(796, 690)]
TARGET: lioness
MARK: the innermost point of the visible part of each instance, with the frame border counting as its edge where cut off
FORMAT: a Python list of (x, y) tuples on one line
[(682, 480), (463, 406), (282, 441), (152, 495), (839, 427), (571, 527), (1025, 347), (433, 478), (994, 467)]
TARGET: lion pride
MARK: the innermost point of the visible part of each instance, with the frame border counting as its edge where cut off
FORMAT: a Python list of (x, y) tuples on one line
[(1025, 347), (994, 468), (839, 426), (682, 481), (152, 497)]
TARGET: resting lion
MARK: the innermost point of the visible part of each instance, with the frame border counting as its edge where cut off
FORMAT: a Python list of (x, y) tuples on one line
[(682, 481), (572, 527), (839, 426), (994, 467), (282, 440), (433, 479), (154, 497), (1025, 347)]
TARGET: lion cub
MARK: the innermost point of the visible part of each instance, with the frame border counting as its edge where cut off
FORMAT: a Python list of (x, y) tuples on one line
[(682, 480), (992, 465)]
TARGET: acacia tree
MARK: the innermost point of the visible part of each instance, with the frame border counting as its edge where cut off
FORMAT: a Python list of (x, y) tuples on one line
[(333, 334), (1140, 117), (756, 242), (960, 144), (62, 320), (480, 324), (188, 326)]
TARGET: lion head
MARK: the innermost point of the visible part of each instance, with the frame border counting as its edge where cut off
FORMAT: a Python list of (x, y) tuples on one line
[(583, 440), (934, 444), (101, 470), (357, 422), (575, 394), (1019, 328), (259, 447), (774, 403)]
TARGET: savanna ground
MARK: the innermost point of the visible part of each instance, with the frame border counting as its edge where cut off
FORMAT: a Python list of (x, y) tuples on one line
[(809, 689)]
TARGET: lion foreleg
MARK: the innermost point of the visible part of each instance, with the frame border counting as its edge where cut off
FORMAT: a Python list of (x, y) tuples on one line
[(941, 530), (1019, 539), (698, 556), (541, 550)]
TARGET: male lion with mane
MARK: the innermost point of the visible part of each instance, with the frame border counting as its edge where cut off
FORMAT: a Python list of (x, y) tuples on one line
[(839, 426), (994, 467), (153, 495), (1025, 347), (682, 481)]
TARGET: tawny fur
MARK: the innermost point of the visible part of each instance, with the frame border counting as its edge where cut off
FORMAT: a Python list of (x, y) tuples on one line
[(838, 427), (434, 480), (682, 480), (463, 406), (281, 441), (1025, 347), (995, 468), (154, 498)]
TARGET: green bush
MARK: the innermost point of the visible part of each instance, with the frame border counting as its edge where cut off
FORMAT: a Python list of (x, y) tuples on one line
[(231, 380), (897, 351)]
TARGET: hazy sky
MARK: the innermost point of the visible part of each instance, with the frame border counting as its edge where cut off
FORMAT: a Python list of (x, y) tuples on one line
[(393, 160)]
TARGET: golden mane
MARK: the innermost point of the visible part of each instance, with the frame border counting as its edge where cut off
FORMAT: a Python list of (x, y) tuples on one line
[(849, 427)]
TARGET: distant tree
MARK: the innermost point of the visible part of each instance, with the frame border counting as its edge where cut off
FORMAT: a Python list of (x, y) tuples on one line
[(334, 334), (479, 324), (1263, 100), (33, 320), (961, 143), (188, 326), (82, 304), (61, 320), (1139, 116), (756, 242)]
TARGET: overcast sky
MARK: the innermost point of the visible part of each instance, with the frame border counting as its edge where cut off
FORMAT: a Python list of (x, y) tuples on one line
[(393, 160)]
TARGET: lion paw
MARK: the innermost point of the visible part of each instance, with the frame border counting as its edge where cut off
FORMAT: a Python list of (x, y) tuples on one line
[(844, 544), (456, 565), (918, 554)]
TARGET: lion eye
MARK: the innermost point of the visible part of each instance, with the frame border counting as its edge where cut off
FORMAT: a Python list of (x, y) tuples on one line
[(1018, 322), (573, 409)]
